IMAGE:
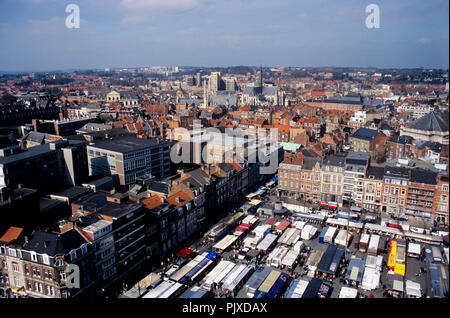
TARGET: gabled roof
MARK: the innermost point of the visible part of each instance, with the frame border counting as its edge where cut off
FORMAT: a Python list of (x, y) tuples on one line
[(436, 120), (54, 243), (332, 160), (200, 176), (181, 196), (159, 187), (152, 202), (310, 162), (225, 167), (423, 176), (365, 133), (375, 172)]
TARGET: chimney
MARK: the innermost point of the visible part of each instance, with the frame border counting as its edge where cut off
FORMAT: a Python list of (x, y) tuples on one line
[(26, 239)]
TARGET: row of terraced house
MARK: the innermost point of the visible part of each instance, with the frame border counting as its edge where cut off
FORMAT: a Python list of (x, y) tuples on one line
[(351, 178)]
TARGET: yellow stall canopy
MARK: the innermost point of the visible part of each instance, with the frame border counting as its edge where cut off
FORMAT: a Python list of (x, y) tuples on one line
[(255, 202)]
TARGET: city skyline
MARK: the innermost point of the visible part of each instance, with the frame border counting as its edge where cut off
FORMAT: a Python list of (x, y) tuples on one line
[(136, 33)]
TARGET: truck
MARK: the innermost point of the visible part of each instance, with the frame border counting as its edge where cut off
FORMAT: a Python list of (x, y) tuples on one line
[(357, 239), (382, 245), (330, 234), (218, 232), (373, 244), (308, 232), (290, 258), (322, 235), (343, 238), (364, 242), (276, 259)]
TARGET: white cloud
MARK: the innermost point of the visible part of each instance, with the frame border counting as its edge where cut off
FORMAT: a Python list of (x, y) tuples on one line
[(189, 31), (46, 27), (142, 11), (423, 41), (159, 4), (276, 27)]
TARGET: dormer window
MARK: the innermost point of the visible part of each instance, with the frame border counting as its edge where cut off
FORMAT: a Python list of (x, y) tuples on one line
[(45, 259)]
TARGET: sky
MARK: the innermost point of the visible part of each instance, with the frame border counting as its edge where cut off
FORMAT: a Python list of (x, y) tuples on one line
[(278, 33)]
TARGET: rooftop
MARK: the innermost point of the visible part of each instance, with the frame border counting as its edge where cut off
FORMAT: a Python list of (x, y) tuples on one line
[(124, 144), (118, 210), (71, 193), (11, 234), (436, 120), (365, 133)]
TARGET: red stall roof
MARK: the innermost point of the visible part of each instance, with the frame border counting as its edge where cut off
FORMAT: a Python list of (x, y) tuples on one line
[(184, 252), (271, 221), (282, 226), (241, 229)]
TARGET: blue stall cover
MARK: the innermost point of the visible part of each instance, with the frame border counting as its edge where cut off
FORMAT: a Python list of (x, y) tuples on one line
[(322, 234), (331, 259), (211, 256)]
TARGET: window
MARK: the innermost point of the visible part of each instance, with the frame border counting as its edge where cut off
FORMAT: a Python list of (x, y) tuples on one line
[(48, 274), (83, 249), (45, 259), (73, 255), (15, 267), (12, 252), (17, 282), (33, 256), (36, 271), (445, 187), (59, 261)]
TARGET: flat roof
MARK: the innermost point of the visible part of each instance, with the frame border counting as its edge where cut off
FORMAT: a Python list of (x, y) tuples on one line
[(100, 224), (71, 192), (125, 144), (117, 210)]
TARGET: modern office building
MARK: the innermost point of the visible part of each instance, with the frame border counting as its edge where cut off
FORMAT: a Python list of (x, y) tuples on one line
[(129, 157)]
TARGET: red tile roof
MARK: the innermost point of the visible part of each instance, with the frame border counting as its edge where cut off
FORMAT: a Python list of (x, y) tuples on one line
[(11, 234), (183, 198), (152, 202)]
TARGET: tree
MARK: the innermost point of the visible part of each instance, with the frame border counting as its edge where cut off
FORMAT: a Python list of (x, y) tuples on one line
[(7, 99)]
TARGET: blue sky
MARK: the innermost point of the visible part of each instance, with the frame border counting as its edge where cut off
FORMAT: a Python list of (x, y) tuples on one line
[(134, 33)]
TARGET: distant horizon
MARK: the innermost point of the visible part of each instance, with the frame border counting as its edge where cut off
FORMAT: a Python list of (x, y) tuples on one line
[(67, 70)]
